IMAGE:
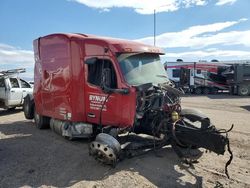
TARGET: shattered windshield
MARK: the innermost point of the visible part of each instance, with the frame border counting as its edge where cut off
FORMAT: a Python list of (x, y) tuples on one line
[(141, 68)]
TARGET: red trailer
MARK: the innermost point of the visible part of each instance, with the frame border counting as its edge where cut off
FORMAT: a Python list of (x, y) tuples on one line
[(89, 86)]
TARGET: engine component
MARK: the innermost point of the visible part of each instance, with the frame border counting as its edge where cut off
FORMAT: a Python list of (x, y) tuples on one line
[(175, 116)]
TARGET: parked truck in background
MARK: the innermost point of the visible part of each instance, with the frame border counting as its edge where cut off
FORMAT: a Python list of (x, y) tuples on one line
[(13, 89), (238, 78), (198, 77), (89, 86)]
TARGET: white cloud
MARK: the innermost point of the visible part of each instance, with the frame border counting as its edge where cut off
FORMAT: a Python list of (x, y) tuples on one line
[(189, 3), (10, 54), (6, 47), (12, 57), (143, 6), (208, 55), (201, 36), (224, 2)]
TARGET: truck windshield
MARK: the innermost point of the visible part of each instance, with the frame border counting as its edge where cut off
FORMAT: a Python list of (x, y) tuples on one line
[(141, 68)]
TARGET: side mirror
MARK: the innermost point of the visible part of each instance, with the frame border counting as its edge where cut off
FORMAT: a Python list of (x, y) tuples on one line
[(91, 61)]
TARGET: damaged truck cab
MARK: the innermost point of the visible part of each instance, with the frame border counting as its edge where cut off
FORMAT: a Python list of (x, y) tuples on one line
[(68, 80), (88, 86)]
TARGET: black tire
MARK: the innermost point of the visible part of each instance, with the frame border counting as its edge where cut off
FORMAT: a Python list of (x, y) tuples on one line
[(198, 91), (41, 122), (28, 107), (206, 91), (243, 90)]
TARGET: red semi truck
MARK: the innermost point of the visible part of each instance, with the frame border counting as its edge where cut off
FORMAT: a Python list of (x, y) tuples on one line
[(89, 86)]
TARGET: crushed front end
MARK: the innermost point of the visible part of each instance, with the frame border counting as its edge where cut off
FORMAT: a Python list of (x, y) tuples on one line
[(159, 114)]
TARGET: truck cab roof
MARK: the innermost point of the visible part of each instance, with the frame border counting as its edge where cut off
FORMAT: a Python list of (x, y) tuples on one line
[(116, 45)]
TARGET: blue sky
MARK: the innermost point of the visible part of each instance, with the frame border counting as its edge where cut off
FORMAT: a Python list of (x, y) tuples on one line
[(187, 29)]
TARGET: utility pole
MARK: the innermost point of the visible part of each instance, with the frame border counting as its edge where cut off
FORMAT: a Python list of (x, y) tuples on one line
[(154, 26)]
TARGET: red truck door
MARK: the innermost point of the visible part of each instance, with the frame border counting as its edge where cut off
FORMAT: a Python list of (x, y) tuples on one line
[(114, 109)]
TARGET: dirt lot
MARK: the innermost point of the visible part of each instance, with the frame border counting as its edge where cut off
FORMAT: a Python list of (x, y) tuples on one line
[(31, 157)]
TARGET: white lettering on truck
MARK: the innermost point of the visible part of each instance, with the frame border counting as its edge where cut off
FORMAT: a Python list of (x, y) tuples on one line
[(96, 102)]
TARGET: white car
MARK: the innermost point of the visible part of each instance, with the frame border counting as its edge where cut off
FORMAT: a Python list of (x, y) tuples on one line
[(12, 91)]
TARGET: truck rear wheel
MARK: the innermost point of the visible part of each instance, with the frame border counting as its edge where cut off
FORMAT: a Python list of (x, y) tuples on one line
[(28, 107), (41, 122), (243, 90)]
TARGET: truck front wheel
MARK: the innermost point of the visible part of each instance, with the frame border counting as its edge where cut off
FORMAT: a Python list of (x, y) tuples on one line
[(243, 90), (41, 122)]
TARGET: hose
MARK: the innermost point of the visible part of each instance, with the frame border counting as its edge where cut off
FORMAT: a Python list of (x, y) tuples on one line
[(226, 131), (230, 159), (174, 135)]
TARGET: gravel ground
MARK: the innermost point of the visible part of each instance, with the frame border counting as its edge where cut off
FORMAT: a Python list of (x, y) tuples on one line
[(40, 158)]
